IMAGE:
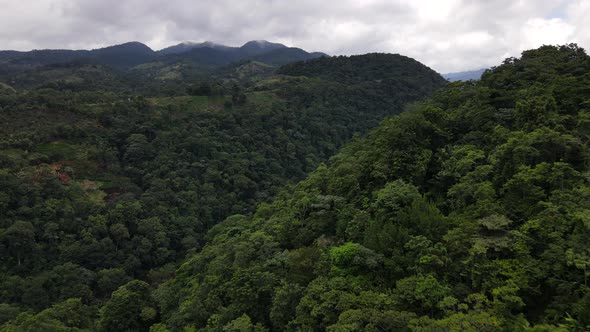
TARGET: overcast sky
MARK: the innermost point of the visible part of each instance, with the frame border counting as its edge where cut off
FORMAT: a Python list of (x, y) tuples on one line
[(447, 35)]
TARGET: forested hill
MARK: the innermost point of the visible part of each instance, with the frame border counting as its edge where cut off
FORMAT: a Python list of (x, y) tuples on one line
[(470, 212), (373, 67), (100, 186)]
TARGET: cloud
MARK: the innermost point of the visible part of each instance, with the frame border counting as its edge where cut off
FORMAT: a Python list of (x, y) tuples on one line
[(578, 13), (448, 35), (540, 31)]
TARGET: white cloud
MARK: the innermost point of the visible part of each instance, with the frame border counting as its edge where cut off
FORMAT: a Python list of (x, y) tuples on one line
[(448, 35), (540, 31), (578, 13), (474, 39), (435, 10)]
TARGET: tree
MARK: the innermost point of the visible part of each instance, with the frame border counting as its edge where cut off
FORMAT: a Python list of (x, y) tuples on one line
[(130, 308), (420, 293), (20, 237), (138, 148), (243, 324), (111, 279), (70, 315)]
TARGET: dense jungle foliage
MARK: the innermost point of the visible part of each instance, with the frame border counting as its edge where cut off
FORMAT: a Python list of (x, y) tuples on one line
[(105, 189), (468, 212)]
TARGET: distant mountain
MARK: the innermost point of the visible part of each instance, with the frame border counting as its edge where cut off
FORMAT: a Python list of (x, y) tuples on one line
[(42, 57), (464, 75), (190, 59), (124, 55), (257, 47), (204, 56), (120, 56), (196, 56), (282, 56), (250, 48), (188, 46)]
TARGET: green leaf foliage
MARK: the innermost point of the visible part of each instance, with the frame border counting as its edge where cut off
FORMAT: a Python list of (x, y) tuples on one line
[(468, 212), (110, 180)]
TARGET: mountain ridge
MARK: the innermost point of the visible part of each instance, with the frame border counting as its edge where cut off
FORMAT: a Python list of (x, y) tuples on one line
[(130, 54)]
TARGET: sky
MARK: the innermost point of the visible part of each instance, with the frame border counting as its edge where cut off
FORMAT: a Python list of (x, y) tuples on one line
[(447, 35)]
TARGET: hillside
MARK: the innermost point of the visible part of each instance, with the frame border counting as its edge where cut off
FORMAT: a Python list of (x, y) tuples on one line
[(469, 212), (377, 69), (99, 188)]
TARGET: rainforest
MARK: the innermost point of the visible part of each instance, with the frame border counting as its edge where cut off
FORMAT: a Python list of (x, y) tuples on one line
[(266, 188)]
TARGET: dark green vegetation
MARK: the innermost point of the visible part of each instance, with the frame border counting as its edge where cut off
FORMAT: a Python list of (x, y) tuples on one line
[(135, 67), (104, 191), (469, 212)]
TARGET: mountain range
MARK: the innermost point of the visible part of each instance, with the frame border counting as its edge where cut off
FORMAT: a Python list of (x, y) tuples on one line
[(182, 60), (129, 55)]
